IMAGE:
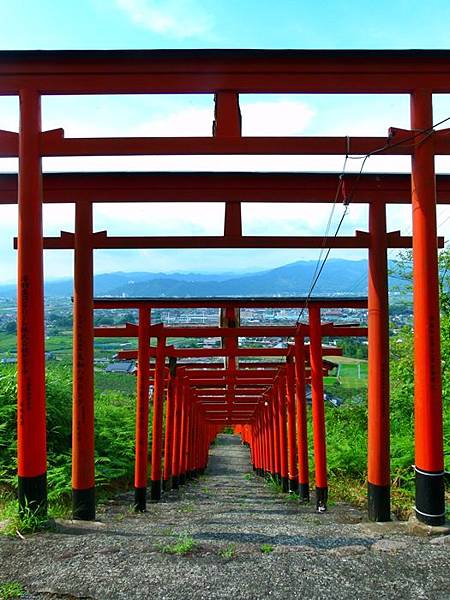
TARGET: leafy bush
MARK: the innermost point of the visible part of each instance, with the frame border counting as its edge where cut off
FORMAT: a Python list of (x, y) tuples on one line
[(114, 433)]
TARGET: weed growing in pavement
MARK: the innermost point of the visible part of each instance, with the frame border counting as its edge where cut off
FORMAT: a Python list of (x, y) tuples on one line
[(273, 484), (28, 520), (10, 590), (293, 497), (229, 551), (182, 546), (188, 508), (248, 476), (266, 548)]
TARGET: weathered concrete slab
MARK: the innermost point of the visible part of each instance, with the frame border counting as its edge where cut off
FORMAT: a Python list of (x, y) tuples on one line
[(230, 515)]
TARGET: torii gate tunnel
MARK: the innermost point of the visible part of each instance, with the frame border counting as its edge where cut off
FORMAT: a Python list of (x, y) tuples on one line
[(227, 74)]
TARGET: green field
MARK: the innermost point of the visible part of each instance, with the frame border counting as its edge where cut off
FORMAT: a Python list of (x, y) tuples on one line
[(349, 381)]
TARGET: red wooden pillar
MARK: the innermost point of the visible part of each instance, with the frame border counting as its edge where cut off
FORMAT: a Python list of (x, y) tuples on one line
[(267, 444), (184, 420), (276, 435), (83, 457), (429, 455), (302, 429), (157, 430), (292, 447), (177, 433), (281, 391), (170, 419), (269, 437), (318, 408), (378, 385), (261, 442), (142, 412), (191, 443), (187, 428), (262, 468), (31, 422), (256, 443), (205, 447)]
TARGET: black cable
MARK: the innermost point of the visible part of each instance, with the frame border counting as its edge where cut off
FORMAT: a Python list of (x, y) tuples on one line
[(348, 199)]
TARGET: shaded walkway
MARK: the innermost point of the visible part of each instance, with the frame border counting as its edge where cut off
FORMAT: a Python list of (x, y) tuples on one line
[(229, 514)]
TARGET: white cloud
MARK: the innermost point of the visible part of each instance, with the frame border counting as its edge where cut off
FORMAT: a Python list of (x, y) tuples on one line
[(173, 18), (278, 117)]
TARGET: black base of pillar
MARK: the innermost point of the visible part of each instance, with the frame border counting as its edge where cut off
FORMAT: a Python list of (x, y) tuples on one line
[(293, 486), (155, 490), (167, 484), (182, 478), (321, 499), (430, 497), (140, 499), (175, 482), (201, 471), (83, 504), (277, 478), (32, 494), (379, 502), (285, 485), (303, 493)]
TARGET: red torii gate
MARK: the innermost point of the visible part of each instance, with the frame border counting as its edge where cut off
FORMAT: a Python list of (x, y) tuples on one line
[(226, 74), (224, 378)]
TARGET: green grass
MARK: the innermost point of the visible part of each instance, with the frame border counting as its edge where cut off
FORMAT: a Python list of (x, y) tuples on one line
[(118, 382), (266, 548), (228, 552), (8, 342), (23, 523), (273, 484), (10, 590), (184, 545)]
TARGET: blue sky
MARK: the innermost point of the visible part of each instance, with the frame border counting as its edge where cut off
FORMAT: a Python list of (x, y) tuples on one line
[(108, 24)]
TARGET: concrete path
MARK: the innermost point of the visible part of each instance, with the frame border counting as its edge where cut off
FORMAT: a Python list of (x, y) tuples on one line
[(247, 543)]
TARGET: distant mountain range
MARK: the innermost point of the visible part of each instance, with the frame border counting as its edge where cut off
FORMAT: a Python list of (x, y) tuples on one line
[(339, 276)]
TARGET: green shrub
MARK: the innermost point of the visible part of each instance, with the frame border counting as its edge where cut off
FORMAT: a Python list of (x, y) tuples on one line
[(114, 433)]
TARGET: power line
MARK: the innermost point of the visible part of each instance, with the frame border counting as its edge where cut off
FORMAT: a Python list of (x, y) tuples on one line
[(347, 199)]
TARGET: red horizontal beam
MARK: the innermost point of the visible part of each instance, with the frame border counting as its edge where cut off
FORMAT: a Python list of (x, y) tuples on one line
[(220, 393), (222, 352), (187, 367), (225, 421), (240, 373), (131, 330), (220, 383), (55, 144), (226, 302), (221, 187), (100, 240), (230, 408), (209, 71)]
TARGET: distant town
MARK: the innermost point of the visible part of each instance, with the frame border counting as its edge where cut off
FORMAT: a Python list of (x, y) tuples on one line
[(59, 320)]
